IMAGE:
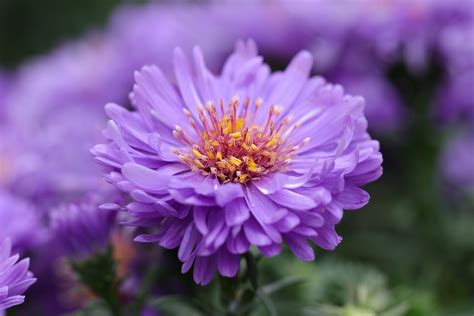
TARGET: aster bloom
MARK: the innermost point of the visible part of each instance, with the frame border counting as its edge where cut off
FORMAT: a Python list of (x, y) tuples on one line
[(21, 222), (53, 91), (15, 278), (457, 165), (187, 25), (455, 101), (384, 109), (456, 98), (219, 163), (81, 229)]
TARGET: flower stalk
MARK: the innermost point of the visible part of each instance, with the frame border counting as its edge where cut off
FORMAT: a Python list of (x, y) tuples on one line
[(98, 273)]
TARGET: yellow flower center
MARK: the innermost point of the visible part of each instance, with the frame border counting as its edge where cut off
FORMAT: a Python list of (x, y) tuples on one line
[(232, 146)]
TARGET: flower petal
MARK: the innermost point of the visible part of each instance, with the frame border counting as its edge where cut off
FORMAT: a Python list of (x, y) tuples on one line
[(236, 212), (299, 247), (144, 177), (227, 263), (352, 198), (292, 200)]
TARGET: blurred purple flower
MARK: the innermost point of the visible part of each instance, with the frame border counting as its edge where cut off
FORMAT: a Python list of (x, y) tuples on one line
[(217, 179), (64, 76), (82, 229), (384, 109), (53, 116), (15, 278), (381, 30), (21, 222), (457, 161), (456, 98), (153, 30)]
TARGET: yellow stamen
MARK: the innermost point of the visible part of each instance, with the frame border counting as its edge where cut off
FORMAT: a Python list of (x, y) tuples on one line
[(243, 177), (235, 135), (272, 141), (232, 146), (239, 124), (197, 153), (236, 161), (198, 163), (251, 165), (228, 127), (247, 137)]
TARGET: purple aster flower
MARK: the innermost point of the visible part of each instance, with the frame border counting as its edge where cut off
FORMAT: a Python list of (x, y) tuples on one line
[(21, 222), (15, 278), (457, 161), (336, 28), (138, 26), (81, 229), (37, 163), (456, 98), (248, 157), (185, 25), (384, 108), (53, 91)]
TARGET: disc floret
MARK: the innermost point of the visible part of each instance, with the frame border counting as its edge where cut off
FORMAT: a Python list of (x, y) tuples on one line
[(232, 146)]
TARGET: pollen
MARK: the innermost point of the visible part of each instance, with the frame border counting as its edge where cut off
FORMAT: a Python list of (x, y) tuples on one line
[(237, 143)]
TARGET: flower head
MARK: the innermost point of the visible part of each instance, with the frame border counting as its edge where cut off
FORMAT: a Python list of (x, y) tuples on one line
[(80, 229), (21, 222), (54, 90), (384, 109), (14, 277), (219, 163), (457, 165)]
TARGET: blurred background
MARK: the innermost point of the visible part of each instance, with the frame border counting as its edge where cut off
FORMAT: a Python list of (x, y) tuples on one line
[(410, 251)]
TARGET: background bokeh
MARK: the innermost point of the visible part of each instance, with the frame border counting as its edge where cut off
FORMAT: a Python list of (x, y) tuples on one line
[(410, 251)]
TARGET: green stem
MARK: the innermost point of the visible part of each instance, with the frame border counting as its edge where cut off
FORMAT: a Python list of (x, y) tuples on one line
[(98, 273), (237, 296), (145, 288), (111, 300), (252, 270)]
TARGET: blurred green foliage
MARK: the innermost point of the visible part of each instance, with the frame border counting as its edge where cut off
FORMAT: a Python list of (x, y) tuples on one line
[(30, 27)]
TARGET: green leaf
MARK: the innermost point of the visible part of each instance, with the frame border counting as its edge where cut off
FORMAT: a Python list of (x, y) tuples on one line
[(281, 284), (174, 305), (268, 303)]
